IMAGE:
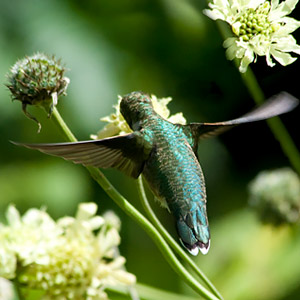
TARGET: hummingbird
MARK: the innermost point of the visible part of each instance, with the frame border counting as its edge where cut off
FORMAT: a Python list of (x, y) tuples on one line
[(166, 155)]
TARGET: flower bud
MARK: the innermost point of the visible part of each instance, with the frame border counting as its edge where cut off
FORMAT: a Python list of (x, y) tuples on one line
[(37, 80), (276, 196)]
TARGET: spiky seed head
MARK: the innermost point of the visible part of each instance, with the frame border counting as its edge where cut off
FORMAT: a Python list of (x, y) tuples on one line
[(37, 80), (275, 195)]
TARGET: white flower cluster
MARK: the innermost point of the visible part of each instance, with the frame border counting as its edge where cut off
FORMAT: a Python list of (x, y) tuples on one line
[(260, 28), (118, 126), (65, 259)]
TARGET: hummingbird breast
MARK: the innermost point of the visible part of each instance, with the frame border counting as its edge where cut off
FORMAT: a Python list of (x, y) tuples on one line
[(175, 176)]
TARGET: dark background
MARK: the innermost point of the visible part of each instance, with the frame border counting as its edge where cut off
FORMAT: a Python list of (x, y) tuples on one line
[(166, 48)]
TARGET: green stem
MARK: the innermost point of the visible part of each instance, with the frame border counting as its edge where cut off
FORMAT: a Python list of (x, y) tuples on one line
[(132, 212), (151, 215), (18, 289), (63, 127), (277, 127)]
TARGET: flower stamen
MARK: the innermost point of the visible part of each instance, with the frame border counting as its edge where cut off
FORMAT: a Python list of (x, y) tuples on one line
[(253, 22)]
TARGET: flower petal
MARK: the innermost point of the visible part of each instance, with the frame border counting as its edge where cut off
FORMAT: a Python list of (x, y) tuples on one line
[(246, 60), (290, 25), (269, 60), (283, 9), (86, 210), (214, 14), (286, 44), (13, 216), (283, 58), (232, 48), (274, 4)]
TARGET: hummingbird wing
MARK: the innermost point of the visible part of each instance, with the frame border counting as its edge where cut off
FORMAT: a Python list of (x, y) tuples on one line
[(276, 105), (125, 153)]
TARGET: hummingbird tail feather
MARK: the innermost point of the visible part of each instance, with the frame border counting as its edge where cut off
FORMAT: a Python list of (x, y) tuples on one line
[(194, 238)]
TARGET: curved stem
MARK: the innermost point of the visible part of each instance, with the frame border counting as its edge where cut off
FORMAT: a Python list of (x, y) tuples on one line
[(132, 212), (18, 289), (277, 127), (63, 127), (151, 215)]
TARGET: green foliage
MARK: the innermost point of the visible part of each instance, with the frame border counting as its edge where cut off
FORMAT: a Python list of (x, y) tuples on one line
[(59, 185)]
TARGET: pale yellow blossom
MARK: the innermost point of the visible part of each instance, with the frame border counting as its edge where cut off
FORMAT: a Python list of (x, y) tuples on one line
[(66, 259), (118, 126)]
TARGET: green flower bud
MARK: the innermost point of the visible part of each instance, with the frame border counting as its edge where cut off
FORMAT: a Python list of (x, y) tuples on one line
[(37, 80), (276, 196)]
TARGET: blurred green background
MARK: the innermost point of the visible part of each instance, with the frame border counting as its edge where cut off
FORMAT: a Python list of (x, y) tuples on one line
[(168, 48)]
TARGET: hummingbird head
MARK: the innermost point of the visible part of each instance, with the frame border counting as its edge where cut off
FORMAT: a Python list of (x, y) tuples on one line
[(135, 107)]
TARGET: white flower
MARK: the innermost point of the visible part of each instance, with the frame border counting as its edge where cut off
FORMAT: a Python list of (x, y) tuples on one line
[(160, 106), (112, 219), (6, 290), (118, 126), (66, 259), (260, 28)]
